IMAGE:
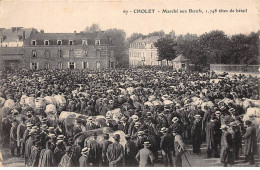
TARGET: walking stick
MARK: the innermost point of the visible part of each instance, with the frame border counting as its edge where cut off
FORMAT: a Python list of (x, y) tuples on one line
[(187, 159)]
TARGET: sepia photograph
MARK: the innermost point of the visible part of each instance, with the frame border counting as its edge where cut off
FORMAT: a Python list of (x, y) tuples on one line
[(129, 83)]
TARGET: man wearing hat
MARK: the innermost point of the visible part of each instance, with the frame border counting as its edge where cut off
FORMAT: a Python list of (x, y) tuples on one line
[(226, 152), (115, 153), (95, 152), (90, 125), (145, 156), (13, 138), (162, 121), (84, 159), (28, 146), (130, 152), (140, 139), (66, 160), (123, 125), (175, 125), (135, 119), (236, 138), (179, 148), (104, 145), (250, 142), (35, 154), (59, 152), (44, 134), (212, 138), (196, 131), (20, 131), (167, 147)]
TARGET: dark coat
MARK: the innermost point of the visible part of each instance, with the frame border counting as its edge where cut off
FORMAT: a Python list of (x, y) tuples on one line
[(250, 140), (226, 152), (84, 161)]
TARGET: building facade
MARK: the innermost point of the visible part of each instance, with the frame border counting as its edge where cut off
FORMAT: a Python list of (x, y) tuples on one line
[(180, 62), (142, 52), (61, 51)]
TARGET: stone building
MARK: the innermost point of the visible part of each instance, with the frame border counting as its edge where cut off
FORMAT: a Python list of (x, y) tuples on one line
[(180, 62), (61, 51), (15, 36), (143, 52)]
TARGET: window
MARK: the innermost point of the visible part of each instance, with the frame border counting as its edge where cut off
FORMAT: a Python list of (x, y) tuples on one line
[(151, 54), (46, 42), (60, 65), (71, 65), (34, 53), (86, 52), (59, 54), (71, 53), (98, 53), (98, 65), (2, 39), (97, 42), (47, 65), (34, 65), (59, 42), (84, 42), (47, 53), (33, 42), (85, 65), (71, 42)]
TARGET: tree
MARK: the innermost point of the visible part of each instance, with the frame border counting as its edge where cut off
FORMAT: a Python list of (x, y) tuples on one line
[(92, 28), (244, 49), (166, 49), (133, 37), (118, 40), (156, 33)]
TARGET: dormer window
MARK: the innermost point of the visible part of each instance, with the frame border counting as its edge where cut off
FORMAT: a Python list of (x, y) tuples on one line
[(97, 42), (84, 42), (33, 42), (71, 42), (46, 42), (59, 42)]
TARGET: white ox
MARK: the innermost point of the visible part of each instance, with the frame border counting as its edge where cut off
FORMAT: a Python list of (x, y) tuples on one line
[(253, 114), (40, 103), (9, 103), (50, 100), (50, 109), (115, 114), (60, 100), (250, 103), (29, 101)]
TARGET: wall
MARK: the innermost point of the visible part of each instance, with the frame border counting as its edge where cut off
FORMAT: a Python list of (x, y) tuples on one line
[(76, 54)]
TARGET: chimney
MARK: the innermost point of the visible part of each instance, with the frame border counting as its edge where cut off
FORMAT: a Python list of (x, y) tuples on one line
[(75, 32), (23, 35), (41, 31)]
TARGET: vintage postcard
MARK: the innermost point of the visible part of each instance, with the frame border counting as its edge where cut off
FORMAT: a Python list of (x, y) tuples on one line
[(129, 83)]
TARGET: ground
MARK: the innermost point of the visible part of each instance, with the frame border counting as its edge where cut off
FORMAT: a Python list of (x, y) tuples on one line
[(195, 160)]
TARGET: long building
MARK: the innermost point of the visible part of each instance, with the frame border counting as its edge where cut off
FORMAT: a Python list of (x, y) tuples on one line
[(143, 52), (40, 50)]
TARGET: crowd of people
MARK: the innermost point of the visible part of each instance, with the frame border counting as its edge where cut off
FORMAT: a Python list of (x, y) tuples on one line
[(153, 128)]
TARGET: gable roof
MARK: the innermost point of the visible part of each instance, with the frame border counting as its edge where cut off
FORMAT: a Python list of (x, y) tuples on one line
[(15, 33), (180, 58), (147, 40)]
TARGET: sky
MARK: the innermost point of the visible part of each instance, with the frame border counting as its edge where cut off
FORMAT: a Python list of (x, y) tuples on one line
[(68, 16)]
